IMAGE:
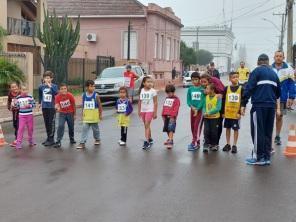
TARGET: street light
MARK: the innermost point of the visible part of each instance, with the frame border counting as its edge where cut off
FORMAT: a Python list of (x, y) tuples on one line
[(281, 37)]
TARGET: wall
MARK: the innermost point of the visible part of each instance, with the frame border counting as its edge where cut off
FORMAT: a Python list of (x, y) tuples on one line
[(14, 9), (3, 14)]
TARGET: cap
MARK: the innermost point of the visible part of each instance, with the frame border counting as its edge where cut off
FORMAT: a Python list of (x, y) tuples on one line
[(263, 57)]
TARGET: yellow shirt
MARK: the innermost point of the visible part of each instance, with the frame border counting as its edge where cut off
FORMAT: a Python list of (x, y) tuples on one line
[(232, 103), (212, 103), (243, 74)]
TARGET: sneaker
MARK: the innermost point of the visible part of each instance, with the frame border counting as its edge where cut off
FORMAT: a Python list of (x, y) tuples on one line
[(48, 143), (214, 148), (32, 144), (13, 144), (272, 152), (192, 147), (80, 146), (234, 149), (97, 142), (151, 141), (146, 145), (170, 144), (122, 143), (205, 149), (277, 141), (166, 142), (72, 141), (57, 145), (254, 161), (267, 162), (226, 148)]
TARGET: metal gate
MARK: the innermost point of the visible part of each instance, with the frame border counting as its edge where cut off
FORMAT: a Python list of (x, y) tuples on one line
[(104, 62)]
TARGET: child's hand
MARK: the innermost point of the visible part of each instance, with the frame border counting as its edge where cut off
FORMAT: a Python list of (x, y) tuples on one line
[(139, 114), (155, 116), (243, 111), (278, 112), (219, 96), (238, 116), (195, 112), (100, 116), (223, 116)]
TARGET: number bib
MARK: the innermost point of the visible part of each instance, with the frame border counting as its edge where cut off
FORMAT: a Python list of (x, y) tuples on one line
[(127, 82), (23, 103), (169, 102), (121, 108), (47, 98), (145, 97), (196, 95), (233, 98), (65, 104), (89, 105)]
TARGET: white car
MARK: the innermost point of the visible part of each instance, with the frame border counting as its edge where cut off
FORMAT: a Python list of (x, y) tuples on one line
[(187, 79)]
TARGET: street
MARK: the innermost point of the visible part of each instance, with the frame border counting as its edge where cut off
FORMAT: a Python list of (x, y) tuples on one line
[(112, 183)]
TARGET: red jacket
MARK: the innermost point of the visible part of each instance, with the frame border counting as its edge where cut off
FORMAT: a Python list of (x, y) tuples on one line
[(171, 106), (66, 102), (219, 87)]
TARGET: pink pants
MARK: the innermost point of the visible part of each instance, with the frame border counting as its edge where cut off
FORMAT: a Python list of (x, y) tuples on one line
[(25, 121)]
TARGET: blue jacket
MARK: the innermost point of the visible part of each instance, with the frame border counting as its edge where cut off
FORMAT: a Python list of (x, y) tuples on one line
[(47, 96), (286, 75), (263, 87), (129, 106)]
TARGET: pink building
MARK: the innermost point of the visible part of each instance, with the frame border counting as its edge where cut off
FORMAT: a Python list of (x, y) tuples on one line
[(155, 32)]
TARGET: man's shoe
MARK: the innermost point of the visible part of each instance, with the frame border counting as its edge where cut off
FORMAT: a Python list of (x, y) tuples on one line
[(48, 143), (234, 149), (226, 148), (57, 145)]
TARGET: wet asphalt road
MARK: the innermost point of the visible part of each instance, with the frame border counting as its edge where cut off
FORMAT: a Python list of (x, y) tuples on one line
[(111, 183)]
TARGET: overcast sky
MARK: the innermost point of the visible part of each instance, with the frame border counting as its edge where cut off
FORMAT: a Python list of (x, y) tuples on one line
[(249, 28)]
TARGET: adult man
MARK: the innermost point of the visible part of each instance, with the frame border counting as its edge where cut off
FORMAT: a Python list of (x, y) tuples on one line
[(213, 71), (286, 75), (243, 73), (264, 88), (129, 81), (174, 73)]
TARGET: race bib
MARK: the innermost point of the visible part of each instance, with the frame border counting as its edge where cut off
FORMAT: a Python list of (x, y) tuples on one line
[(47, 98), (121, 108), (196, 95), (127, 81), (24, 103), (65, 104), (89, 105), (169, 102), (145, 96), (233, 97)]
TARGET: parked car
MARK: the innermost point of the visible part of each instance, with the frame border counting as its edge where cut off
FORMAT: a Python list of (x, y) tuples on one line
[(187, 79), (111, 79)]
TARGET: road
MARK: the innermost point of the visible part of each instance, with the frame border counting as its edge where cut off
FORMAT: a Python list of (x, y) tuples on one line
[(110, 183)]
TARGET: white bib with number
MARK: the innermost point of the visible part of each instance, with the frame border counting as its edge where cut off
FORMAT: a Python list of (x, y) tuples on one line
[(145, 96), (23, 103), (89, 105), (169, 102), (196, 95), (65, 104), (233, 97), (47, 98), (121, 108), (127, 81)]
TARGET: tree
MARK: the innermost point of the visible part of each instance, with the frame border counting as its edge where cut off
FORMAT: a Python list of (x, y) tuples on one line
[(187, 54), (204, 57), (60, 38)]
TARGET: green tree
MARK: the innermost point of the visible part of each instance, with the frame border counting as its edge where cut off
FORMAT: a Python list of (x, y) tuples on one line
[(60, 38), (204, 57), (187, 54)]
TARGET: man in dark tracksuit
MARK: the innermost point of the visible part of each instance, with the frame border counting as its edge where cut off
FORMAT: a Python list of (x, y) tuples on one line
[(264, 89)]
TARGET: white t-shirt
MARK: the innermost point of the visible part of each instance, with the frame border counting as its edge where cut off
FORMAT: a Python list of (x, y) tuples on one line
[(146, 97)]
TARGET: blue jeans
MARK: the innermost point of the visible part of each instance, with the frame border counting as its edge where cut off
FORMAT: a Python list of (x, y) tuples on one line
[(85, 129), (69, 118)]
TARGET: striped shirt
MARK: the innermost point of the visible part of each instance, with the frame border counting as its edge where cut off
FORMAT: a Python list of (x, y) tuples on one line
[(25, 104)]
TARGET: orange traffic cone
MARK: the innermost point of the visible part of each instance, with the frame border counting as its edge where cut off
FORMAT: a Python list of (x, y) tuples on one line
[(291, 145), (2, 141)]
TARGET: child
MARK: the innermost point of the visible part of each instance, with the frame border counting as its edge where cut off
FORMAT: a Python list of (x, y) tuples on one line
[(129, 81), (231, 108), (147, 108), (14, 91), (124, 109), (92, 114), (65, 105), (195, 100), (169, 114), (47, 93), (211, 112), (25, 103)]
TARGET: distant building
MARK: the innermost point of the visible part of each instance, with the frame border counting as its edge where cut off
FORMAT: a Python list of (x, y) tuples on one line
[(217, 40), (155, 32)]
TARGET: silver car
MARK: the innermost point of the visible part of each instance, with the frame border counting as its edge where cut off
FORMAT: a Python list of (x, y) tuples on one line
[(111, 79)]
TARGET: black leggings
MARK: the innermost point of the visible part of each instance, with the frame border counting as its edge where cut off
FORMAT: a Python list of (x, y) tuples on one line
[(49, 121), (123, 133)]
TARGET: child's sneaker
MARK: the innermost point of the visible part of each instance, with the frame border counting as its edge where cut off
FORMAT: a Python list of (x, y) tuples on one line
[(57, 144), (254, 161), (234, 149), (13, 144), (151, 141), (97, 142), (166, 142), (272, 152), (214, 148), (122, 143), (267, 162), (72, 141), (206, 149), (81, 146), (226, 148), (192, 147), (146, 145), (170, 144), (277, 140)]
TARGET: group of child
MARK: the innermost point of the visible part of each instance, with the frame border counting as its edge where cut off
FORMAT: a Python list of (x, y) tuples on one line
[(208, 100)]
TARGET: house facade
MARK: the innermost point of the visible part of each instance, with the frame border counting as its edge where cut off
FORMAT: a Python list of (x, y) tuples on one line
[(154, 32)]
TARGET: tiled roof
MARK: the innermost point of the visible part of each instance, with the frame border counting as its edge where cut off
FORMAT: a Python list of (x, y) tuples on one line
[(96, 7)]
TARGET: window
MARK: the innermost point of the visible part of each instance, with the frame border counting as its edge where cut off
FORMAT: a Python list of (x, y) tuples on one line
[(133, 46), (161, 45), (168, 49), (156, 44)]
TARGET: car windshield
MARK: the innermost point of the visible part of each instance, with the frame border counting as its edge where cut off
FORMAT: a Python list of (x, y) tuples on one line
[(112, 73)]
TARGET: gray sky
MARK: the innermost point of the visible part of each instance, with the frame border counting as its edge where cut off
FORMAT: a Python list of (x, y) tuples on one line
[(258, 35)]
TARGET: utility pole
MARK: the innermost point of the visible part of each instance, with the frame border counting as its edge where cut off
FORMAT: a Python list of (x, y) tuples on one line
[(283, 27), (290, 4), (197, 40), (129, 41)]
